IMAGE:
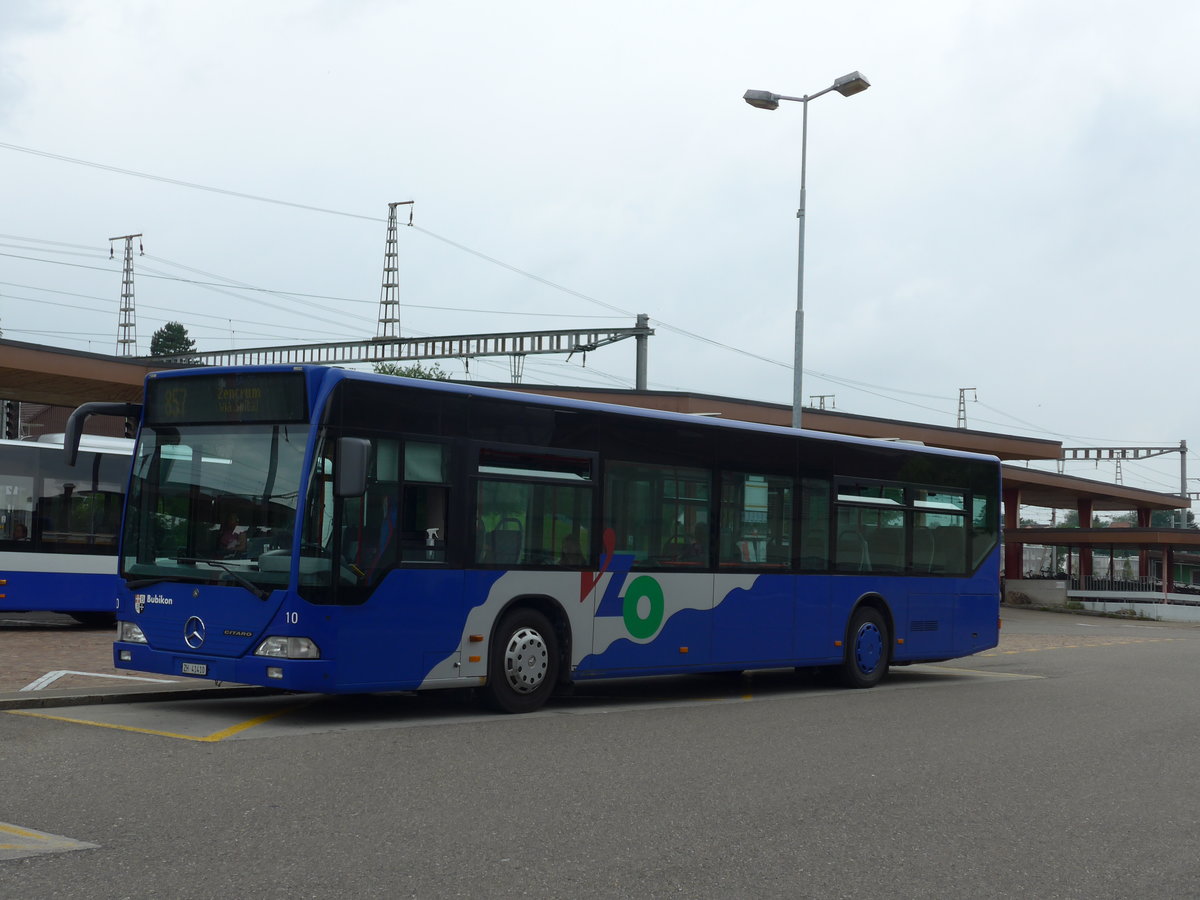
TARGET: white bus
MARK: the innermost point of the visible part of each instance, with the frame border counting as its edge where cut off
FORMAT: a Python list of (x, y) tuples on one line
[(59, 526)]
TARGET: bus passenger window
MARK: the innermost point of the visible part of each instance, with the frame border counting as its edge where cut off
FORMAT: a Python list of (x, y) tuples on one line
[(983, 527), (426, 500), (756, 520), (872, 528), (533, 507), (950, 547), (940, 535), (658, 512)]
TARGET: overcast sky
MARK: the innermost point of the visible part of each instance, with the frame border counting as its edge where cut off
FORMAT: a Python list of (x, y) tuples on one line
[(1011, 207)]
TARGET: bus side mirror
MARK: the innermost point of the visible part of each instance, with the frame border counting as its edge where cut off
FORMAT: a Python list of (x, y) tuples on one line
[(74, 430), (350, 473)]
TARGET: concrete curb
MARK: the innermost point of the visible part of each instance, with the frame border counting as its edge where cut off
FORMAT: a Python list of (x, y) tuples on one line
[(94, 696)]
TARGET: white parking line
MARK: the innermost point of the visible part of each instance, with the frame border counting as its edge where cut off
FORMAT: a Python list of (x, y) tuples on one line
[(51, 677)]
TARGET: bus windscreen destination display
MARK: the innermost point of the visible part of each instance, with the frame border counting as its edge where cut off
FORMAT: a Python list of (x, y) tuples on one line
[(217, 398)]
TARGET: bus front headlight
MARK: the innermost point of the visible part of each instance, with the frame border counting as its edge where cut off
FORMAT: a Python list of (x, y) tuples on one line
[(130, 633), (288, 648)]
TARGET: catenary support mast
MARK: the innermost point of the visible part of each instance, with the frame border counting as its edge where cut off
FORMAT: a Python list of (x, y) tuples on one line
[(127, 329)]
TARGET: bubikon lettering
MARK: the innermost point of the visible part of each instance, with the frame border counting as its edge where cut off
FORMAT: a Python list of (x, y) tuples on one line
[(140, 601)]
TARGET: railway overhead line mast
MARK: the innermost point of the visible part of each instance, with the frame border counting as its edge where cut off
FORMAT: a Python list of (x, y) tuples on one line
[(517, 345), (389, 346)]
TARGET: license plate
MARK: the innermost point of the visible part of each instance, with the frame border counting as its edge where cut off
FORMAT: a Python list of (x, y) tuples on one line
[(195, 668)]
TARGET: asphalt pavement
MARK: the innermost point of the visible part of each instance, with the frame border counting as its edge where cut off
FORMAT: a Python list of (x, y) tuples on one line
[(1061, 765)]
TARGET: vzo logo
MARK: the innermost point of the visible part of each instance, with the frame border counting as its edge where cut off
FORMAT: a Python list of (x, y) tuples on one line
[(642, 606)]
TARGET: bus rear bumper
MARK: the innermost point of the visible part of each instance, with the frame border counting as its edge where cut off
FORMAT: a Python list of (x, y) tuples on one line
[(308, 675)]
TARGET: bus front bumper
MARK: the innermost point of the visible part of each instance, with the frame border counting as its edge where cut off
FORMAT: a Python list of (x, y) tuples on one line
[(307, 675)]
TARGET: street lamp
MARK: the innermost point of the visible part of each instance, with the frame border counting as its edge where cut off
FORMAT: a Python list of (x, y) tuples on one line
[(847, 86)]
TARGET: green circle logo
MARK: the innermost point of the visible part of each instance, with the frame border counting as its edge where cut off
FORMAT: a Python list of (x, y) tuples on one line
[(643, 587)]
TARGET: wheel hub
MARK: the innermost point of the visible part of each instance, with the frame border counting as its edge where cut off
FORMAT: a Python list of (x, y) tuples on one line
[(526, 660), (868, 648)]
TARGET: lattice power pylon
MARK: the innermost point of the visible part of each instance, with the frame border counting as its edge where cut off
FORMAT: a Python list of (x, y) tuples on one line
[(962, 405), (389, 293), (127, 329)]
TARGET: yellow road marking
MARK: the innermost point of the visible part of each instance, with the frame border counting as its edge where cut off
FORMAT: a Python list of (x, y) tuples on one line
[(204, 739), (21, 832), (36, 843)]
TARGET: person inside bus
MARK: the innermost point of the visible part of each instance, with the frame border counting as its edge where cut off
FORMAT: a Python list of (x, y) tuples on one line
[(697, 550), (571, 555), (20, 532), (230, 541)]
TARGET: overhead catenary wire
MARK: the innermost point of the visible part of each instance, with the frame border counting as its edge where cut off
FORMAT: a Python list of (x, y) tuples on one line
[(885, 392), (173, 316), (292, 294), (417, 228), (879, 391)]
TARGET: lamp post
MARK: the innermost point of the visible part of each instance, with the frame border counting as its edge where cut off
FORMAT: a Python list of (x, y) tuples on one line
[(847, 86)]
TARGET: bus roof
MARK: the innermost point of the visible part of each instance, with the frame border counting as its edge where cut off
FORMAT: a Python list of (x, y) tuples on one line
[(330, 375)]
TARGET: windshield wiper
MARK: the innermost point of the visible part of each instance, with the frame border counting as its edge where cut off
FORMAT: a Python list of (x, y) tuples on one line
[(232, 572)]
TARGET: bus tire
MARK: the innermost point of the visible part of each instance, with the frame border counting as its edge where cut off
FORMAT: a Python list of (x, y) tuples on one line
[(523, 663), (867, 645)]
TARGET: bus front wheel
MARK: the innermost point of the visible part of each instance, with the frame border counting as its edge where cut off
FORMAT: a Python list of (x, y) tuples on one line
[(867, 646), (523, 662)]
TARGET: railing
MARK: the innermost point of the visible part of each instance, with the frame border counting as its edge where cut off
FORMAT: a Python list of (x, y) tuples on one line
[(1147, 586), (1127, 585)]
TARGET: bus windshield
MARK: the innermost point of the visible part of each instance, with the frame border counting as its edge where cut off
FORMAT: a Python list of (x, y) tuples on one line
[(214, 503)]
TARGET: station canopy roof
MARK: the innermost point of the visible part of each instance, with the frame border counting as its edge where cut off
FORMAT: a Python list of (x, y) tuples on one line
[(36, 373)]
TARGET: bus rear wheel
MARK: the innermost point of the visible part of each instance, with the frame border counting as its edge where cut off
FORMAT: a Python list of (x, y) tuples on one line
[(867, 646), (523, 662)]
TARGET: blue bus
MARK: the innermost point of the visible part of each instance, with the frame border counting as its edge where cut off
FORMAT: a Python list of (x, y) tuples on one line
[(59, 526), (323, 530)]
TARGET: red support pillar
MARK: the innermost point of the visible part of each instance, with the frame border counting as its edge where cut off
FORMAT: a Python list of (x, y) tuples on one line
[(1013, 548), (1168, 557), (1143, 520), (1085, 550)]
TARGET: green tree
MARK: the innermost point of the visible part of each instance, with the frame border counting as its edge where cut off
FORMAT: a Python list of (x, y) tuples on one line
[(416, 370), (171, 340), (1070, 519), (1169, 518), (1159, 518)]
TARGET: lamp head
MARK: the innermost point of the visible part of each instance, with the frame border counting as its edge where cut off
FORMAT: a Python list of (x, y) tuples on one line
[(762, 99), (847, 85)]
